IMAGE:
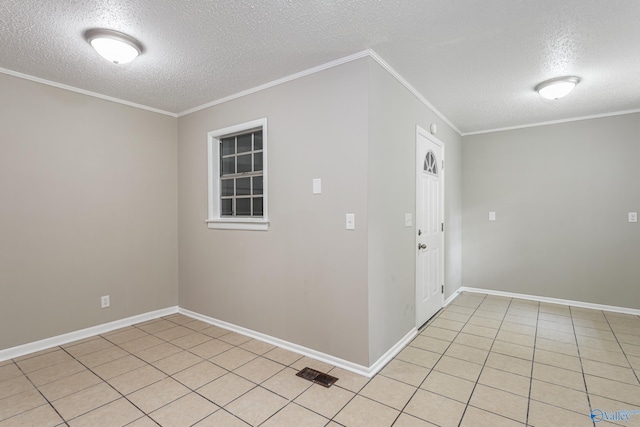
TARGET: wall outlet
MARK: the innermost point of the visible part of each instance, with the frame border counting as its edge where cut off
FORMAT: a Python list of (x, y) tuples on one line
[(633, 216), (104, 301), (351, 222), (492, 216)]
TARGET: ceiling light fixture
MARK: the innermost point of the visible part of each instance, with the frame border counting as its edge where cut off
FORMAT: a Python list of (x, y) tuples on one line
[(558, 87), (114, 46)]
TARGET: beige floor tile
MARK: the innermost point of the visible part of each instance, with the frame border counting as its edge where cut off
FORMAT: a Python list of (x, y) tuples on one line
[(516, 338), (564, 319), (626, 329), (430, 344), (36, 354), (460, 309), (511, 364), (452, 315), (473, 341), (42, 416), (485, 322), (226, 389), (91, 346), (46, 360), (435, 409), (115, 414), (605, 410), (558, 360), (559, 376), (628, 338), (543, 415), (257, 347), (158, 394), (191, 340), (611, 372), (611, 357), (173, 333), (439, 333), (418, 356), (598, 343), (506, 381), (389, 392), (287, 384), (586, 332), (282, 356), (349, 380), (500, 402), (481, 331), (9, 370), (139, 344), (448, 386), (198, 375), (14, 386), (98, 358), (405, 372), (634, 361), (214, 331), (137, 379), (123, 335), (55, 372), (86, 400), (256, 406), (517, 328), (184, 412), (459, 368), (555, 335), (406, 420), (210, 348), (521, 320), (311, 363), (259, 370), (155, 326), (325, 401), (69, 385), (562, 397), (233, 358), (294, 415), (234, 338), (558, 309), (494, 315), (177, 362), (474, 417), (613, 390), (362, 412), (118, 367), (221, 418), (451, 325), (557, 347), (470, 354), (179, 318), (196, 325), (630, 349), (19, 403)]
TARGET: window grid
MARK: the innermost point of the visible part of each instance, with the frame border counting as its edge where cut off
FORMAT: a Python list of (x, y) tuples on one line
[(241, 175)]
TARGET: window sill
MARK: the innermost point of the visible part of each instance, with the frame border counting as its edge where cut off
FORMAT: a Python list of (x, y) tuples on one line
[(238, 224)]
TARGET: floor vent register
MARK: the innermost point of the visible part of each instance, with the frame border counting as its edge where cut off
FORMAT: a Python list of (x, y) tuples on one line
[(317, 377)]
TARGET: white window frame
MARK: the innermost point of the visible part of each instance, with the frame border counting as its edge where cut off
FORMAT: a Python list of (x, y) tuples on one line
[(215, 220)]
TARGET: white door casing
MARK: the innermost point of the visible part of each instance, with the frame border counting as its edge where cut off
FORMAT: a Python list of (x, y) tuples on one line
[(429, 230)]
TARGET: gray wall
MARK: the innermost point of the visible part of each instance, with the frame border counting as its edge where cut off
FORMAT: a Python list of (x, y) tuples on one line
[(88, 207), (305, 279), (393, 115), (561, 194)]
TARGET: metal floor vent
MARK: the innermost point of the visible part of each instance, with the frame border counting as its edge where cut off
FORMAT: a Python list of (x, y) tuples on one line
[(317, 377)]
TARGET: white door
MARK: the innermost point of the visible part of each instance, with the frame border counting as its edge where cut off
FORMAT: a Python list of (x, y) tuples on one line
[(429, 226)]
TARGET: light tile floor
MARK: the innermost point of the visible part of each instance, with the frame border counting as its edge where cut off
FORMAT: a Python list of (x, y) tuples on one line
[(482, 361)]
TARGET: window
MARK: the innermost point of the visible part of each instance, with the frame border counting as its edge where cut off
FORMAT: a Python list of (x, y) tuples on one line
[(431, 164), (238, 177)]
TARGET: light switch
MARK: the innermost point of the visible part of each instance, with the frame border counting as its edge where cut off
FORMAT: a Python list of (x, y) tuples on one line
[(633, 216), (408, 220), (492, 216), (317, 186), (351, 221)]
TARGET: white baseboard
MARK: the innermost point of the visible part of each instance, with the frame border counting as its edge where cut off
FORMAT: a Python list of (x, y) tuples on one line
[(21, 350), (452, 297), (572, 303), (305, 351)]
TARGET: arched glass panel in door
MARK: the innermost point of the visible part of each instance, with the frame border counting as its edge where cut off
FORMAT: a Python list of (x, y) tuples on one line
[(431, 163)]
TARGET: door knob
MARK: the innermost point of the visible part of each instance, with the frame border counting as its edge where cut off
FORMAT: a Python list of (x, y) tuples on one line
[(422, 246)]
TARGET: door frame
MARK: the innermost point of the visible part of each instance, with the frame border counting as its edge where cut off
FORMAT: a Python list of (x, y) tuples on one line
[(426, 134)]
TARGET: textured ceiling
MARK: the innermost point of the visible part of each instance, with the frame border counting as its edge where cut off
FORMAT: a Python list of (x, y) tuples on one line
[(475, 61)]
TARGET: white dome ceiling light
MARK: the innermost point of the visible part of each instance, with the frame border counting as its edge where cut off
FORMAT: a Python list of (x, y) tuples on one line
[(114, 46), (558, 87)]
